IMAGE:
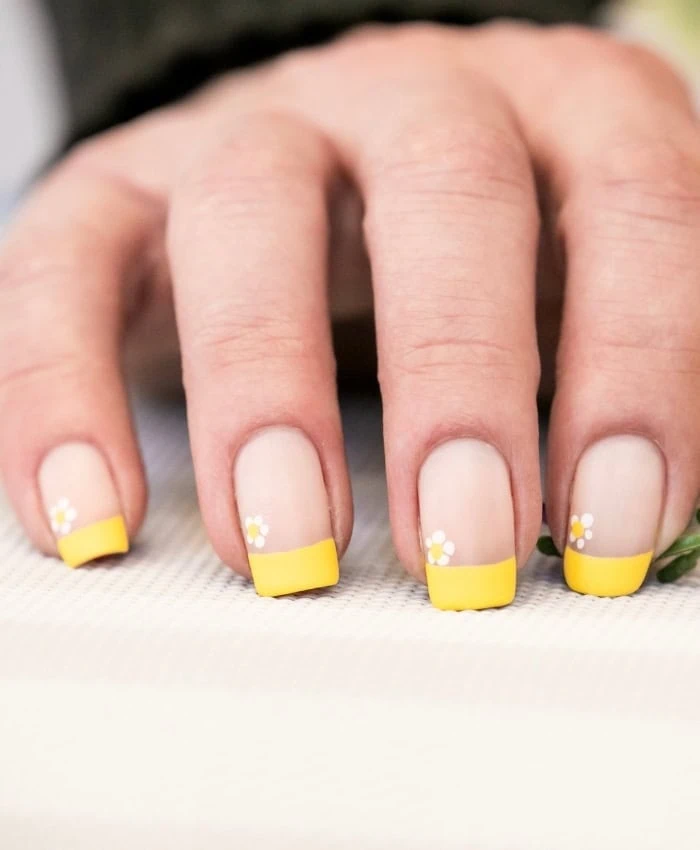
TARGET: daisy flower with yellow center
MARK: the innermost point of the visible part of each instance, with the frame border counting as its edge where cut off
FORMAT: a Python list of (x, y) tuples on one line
[(439, 549), (580, 530), (62, 516), (256, 530)]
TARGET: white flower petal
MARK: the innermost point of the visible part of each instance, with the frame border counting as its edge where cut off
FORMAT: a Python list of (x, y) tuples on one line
[(65, 528), (572, 538), (449, 547), (258, 519), (250, 539), (588, 535), (71, 514), (248, 521), (264, 530), (55, 526), (574, 518), (259, 541), (579, 543), (438, 537), (587, 520), (63, 503), (443, 561), (431, 560), (428, 542)]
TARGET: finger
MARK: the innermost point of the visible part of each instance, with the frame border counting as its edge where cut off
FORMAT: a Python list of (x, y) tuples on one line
[(248, 243), (68, 454), (451, 225), (623, 154)]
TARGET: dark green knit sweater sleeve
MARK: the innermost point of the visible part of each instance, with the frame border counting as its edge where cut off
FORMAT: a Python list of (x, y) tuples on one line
[(123, 57)]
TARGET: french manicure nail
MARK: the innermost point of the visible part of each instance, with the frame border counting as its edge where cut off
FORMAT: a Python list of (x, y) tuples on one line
[(616, 504), (284, 513), (467, 525), (81, 504)]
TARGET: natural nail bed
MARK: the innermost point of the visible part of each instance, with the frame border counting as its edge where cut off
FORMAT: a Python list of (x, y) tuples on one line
[(81, 503), (616, 505), (284, 513), (467, 523)]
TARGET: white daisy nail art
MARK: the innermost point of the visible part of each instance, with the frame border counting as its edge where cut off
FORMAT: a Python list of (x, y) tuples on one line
[(580, 530), (256, 530), (439, 549), (62, 516)]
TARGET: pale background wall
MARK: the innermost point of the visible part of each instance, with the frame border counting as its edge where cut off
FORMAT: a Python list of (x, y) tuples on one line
[(31, 101)]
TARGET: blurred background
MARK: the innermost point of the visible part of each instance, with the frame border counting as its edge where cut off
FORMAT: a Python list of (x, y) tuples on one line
[(33, 105)]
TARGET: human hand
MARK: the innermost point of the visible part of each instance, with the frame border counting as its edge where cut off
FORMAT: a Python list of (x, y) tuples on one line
[(213, 224)]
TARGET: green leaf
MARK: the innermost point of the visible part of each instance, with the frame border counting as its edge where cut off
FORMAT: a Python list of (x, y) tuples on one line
[(546, 546), (683, 546), (678, 567)]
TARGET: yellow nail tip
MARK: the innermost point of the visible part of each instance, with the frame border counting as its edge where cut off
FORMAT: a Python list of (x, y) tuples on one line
[(605, 576), (307, 568), (98, 540), (472, 588)]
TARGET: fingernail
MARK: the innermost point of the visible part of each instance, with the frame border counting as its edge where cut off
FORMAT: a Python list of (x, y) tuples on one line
[(284, 513), (616, 505), (81, 503), (467, 526)]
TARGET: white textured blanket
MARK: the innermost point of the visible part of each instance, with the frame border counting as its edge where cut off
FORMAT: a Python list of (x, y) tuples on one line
[(159, 703)]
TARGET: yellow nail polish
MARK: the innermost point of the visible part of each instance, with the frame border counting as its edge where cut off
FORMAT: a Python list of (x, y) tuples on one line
[(307, 568), (605, 576), (617, 503), (472, 588), (107, 537), (82, 505)]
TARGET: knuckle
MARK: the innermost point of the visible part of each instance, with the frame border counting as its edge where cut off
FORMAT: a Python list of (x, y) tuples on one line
[(370, 55), (631, 349), (418, 37), (648, 163), (87, 153), (652, 179), (23, 371), (86, 157), (591, 53), (262, 153), (477, 160), (100, 164), (587, 48), (228, 341), (32, 355), (579, 42), (429, 355), (26, 275), (400, 40), (645, 61)]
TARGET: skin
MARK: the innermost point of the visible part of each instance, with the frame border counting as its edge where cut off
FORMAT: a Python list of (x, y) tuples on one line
[(481, 173)]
